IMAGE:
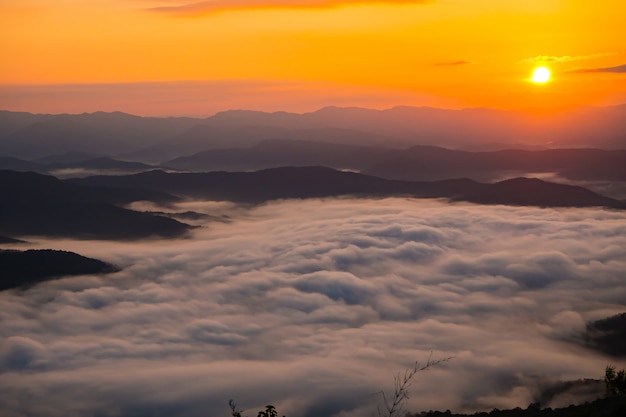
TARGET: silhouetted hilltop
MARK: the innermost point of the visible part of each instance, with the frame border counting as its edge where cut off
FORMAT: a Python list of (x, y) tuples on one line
[(312, 182), (604, 407), (24, 269), (37, 204), (535, 192)]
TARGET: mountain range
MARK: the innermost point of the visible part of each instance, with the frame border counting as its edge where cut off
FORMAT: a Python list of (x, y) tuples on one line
[(319, 182), (418, 163), (93, 207), (155, 140), (415, 163)]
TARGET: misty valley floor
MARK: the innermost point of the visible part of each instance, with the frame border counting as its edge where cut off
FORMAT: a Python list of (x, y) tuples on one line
[(313, 305)]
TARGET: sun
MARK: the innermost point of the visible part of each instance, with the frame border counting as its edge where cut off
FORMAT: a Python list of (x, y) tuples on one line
[(541, 75)]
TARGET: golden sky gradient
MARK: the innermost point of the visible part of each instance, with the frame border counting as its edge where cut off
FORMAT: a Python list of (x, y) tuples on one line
[(198, 57)]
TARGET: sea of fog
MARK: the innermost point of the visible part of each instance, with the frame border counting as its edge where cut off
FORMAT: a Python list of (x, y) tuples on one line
[(313, 306)]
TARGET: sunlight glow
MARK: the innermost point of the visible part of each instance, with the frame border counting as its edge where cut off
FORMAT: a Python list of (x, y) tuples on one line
[(541, 75)]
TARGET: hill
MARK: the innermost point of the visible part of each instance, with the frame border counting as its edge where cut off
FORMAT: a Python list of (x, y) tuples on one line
[(27, 268), (316, 182), (35, 204)]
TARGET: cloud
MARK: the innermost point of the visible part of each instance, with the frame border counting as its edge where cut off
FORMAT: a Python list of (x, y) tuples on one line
[(207, 7), (620, 69), (547, 59), (314, 305), (452, 63)]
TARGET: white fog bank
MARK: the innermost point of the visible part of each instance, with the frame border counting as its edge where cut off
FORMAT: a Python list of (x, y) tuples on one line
[(315, 305)]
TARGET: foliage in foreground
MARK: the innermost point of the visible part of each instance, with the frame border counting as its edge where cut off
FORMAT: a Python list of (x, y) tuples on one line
[(392, 405), (613, 405), (270, 410), (615, 381)]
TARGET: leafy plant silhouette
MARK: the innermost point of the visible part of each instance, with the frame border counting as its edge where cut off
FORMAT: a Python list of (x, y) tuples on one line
[(270, 410), (615, 381)]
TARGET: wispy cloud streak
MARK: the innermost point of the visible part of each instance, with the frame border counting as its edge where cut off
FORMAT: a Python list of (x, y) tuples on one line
[(547, 59), (207, 7), (452, 63), (620, 69)]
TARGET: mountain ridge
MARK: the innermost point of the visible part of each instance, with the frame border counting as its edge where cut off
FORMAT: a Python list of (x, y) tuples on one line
[(27, 135), (43, 205), (320, 182)]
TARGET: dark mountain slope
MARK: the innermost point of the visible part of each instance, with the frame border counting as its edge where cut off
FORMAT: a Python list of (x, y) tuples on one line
[(42, 205), (418, 163), (102, 163), (98, 164), (535, 192), (427, 163), (277, 153), (15, 164), (73, 163), (23, 269), (311, 182)]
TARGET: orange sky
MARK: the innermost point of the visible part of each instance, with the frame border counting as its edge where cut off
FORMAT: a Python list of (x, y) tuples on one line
[(198, 57)]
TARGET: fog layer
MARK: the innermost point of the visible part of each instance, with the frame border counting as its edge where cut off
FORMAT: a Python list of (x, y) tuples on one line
[(314, 306)]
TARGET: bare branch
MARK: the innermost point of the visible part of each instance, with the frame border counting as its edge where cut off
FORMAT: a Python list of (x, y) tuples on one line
[(394, 406)]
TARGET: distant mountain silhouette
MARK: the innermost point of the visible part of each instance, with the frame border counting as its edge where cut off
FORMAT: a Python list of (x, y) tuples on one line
[(418, 163), (427, 163), (312, 182), (278, 153), (30, 136), (153, 140), (66, 158), (35, 204), (74, 165), (414, 164), (92, 166), (15, 164), (27, 268), (102, 163)]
